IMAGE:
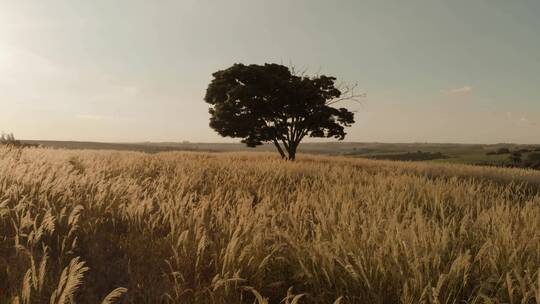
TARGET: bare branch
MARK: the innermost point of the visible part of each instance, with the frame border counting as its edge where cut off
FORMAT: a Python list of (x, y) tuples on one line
[(348, 94), (295, 72)]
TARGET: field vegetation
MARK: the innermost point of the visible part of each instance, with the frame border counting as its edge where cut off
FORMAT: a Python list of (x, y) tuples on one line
[(477, 154), (410, 156), (183, 227)]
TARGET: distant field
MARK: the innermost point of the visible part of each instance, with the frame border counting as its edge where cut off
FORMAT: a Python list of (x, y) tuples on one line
[(189, 227), (475, 158), (451, 153)]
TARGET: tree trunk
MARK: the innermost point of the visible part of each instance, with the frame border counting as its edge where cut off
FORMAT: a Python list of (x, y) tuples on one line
[(292, 151), (283, 156), (290, 148)]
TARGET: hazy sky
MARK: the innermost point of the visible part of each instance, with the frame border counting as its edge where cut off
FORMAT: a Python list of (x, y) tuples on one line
[(433, 70)]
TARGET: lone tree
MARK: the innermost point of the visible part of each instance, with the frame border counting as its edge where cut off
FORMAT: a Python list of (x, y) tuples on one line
[(9, 139), (270, 103)]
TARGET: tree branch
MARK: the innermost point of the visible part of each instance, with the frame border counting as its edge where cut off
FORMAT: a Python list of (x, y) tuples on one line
[(280, 150), (347, 94)]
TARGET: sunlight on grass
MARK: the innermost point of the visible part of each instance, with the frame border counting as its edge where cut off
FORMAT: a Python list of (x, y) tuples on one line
[(244, 227)]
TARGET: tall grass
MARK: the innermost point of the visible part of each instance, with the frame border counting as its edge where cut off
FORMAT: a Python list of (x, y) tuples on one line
[(123, 227)]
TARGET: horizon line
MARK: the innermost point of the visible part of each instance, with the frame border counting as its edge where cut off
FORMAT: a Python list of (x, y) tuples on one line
[(306, 142)]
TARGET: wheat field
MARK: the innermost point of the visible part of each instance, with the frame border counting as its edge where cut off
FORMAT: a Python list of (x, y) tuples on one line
[(125, 227)]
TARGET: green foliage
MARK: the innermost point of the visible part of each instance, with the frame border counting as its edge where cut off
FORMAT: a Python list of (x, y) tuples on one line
[(515, 157), (534, 157)]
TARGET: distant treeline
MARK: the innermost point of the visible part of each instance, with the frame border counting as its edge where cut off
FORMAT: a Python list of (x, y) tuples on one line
[(508, 151), (520, 158), (8, 139)]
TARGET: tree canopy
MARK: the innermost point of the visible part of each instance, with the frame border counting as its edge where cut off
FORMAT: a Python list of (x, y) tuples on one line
[(270, 103)]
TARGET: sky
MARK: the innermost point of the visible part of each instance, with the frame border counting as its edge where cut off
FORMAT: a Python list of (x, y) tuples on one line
[(464, 71)]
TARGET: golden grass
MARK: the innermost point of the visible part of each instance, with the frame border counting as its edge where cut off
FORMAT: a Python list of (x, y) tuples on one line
[(123, 227)]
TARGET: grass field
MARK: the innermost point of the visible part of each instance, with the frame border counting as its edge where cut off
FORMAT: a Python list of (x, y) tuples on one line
[(184, 227), (452, 153)]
